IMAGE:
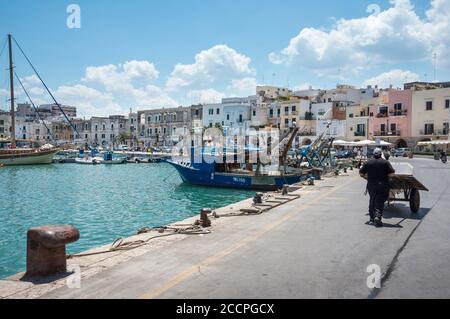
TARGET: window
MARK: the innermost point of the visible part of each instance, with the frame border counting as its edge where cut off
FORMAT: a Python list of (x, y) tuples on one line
[(360, 130), (429, 105), (384, 110), (286, 121), (398, 109), (217, 111), (240, 118), (103, 135), (350, 115), (393, 127), (228, 116), (286, 110), (446, 129), (254, 112), (447, 103), (104, 127), (271, 113), (211, 111), (149, 119), (294, 108), (429, 129), (383, 128), (2, 122)]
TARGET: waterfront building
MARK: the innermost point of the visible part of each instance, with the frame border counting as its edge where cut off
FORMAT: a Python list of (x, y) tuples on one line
[(390, 117), (163, 127), (213, 115), (106, 131), (52, 110), (237, 113), (430, 114), (357, 118), (5, 125), (346, 94), (273, 92)]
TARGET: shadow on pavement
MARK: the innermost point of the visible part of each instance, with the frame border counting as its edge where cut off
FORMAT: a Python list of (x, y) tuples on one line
[(400, 210)]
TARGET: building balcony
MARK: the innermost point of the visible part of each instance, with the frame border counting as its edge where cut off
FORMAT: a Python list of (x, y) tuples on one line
[(382, 115), (360, 134), (398, 113), (434, 132), (387, 133)]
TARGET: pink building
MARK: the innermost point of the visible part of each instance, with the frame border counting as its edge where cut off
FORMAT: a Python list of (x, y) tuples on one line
[(390, 117)]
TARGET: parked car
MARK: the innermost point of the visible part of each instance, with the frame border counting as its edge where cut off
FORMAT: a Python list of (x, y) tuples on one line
[(402, 152)]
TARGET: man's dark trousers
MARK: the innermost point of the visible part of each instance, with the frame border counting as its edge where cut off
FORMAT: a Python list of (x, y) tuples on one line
[(379, 194)]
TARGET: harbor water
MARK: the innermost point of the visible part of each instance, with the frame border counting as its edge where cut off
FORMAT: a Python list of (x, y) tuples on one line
[(104, 201)]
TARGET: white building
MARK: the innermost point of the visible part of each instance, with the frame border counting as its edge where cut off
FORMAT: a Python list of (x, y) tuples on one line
[(213, 115)]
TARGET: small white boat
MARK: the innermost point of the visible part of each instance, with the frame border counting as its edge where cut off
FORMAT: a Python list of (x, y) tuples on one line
[(88, 161)]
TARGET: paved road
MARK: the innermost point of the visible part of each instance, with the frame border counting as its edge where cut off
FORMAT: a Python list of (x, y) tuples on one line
[(316, 247)]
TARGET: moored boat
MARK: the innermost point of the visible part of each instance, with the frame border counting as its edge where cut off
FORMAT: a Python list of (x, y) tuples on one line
[(27, 156)]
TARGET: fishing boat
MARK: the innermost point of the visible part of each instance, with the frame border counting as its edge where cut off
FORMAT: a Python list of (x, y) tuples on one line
[(215, 172), (106, 159), (22, 156)]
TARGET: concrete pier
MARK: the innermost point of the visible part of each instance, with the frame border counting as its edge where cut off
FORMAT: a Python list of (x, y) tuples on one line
[(316, 246)]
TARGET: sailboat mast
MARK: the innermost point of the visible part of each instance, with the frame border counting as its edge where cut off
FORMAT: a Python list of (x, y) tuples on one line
[(11, 81)]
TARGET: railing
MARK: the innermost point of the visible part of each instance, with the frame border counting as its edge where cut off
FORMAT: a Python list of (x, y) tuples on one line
[(382, 115), (360, 133), (398, 112), (434, 132), (387, 133)]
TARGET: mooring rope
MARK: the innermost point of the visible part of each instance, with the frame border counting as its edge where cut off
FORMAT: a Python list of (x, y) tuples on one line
[(120, 245)]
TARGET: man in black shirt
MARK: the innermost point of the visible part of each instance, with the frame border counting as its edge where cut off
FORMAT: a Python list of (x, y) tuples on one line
[(377, 172)]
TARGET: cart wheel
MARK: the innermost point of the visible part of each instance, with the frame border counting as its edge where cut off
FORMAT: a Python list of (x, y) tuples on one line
[(414, 200)]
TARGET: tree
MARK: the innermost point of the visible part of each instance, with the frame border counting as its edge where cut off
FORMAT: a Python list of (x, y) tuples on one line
[(123, 137)]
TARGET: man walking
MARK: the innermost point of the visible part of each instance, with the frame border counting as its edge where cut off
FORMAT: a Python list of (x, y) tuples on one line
[(377, 172)]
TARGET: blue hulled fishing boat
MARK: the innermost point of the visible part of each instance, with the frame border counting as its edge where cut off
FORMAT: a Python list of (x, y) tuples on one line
[(213, 170)]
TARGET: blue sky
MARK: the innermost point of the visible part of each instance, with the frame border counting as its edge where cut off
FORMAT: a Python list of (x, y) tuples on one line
[(222, 48)]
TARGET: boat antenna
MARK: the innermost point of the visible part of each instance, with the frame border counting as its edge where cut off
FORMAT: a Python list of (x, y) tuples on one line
[(46, 87), (35, 108)]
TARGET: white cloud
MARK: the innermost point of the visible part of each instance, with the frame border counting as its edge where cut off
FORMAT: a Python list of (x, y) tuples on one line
[(395, 35), (207, 96), (88, 101), (219, 63), (246, 86), (396, 78), (121, 77)]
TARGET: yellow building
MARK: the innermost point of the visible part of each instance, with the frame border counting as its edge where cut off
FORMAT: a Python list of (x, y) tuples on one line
[(358, 121), (431, 114)]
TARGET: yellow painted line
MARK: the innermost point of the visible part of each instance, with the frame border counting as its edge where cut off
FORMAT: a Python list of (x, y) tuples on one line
[(182, 276)]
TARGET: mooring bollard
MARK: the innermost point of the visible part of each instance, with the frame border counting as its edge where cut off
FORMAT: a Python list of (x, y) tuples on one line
[(46, 249), (204, 217), (285, 190), (317, 173), (258, 198)]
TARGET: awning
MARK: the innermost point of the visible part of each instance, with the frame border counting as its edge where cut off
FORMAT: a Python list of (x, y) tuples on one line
[(437, 142)]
